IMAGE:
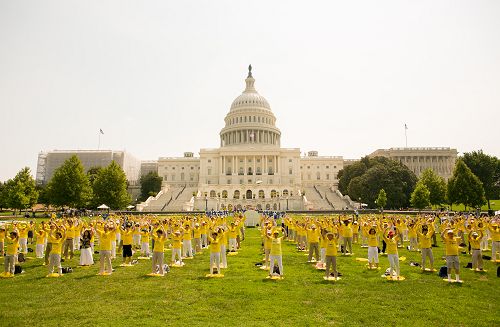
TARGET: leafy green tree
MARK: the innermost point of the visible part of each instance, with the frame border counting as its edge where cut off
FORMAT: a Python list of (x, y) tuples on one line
[(110, 187), (150, 185), (43, 196), (69, 186), (3, 196), (92, 174), (381, 199), (350, 172), (465, 187), (487, 169), (383, 173), (436, 185), (420, 198), (21, 191)]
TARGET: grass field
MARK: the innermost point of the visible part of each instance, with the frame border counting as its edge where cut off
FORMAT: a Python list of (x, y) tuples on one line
[(184, 297)]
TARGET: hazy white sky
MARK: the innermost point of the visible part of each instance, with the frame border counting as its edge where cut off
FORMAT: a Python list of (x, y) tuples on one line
[(342, 77)]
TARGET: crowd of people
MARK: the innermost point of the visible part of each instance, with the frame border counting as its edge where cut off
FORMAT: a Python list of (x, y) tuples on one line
[(59, 238), (324, 238)]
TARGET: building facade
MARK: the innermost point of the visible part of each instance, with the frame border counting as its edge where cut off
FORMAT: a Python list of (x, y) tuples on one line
[(441, 160), (250, 169), (48, 162)]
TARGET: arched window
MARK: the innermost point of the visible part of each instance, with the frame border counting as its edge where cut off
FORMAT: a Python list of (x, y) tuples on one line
[(212, 194), (236, 194), (273, 194), (285, 192), (268, 206), (275, 206), (261, 194), (318, 176), (224, 194), (249, 195)]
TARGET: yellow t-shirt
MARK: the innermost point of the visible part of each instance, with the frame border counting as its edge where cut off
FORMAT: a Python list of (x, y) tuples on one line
[(451, 246), (187, 234), (197, 232), (331, 247), (159, 244), (215, 244), (40, 237), (232, 232), (105, 239), (12, 245), (276, 246), (495, 234), (346, 231), (313, 236), (56, 245), (392, 245), (127, 236), (475, 244), (372, 240), (2, 235), (176, 241), (145, 237), (23, 232)]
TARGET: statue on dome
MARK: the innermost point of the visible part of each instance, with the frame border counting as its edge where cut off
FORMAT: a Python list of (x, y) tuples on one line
[(249, 70)]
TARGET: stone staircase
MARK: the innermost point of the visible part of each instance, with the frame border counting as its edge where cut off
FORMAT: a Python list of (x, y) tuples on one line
[(180, 197), (333, 199), (316, 200)]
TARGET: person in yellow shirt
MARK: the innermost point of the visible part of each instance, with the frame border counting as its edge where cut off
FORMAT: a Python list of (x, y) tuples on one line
[(215, 249), (23, 238), (475, 239), (391, 239), (127, 238), (313, 235), (346, 232), (145, 242), (176, 247), (197, 238), (187, 245), (57, 240), (425, 233), (451, 252), (412, 235), (330, 241), (494, 228), (40, 242), (158, 252), (372, 240), (232, 234), (275, 256), (11, 255), (2, 240), (68, 245), (105, 239)]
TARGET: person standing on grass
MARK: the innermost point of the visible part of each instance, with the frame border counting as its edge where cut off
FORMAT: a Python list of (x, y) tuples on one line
[(127, 238), (232, 234), (48, 228), (176, 247), (105, 239), (451, 251), (313, 236), (40, 242), (197, 238), (477, 254), (187, 246), (425, 233), (391, 238), (494, 228), (330, 241), (86, 254), (372, 240), (158, 252), (275, 256), (215, 250), (56, 239), (68, 243), (2, 240), (11, 255), (145, 242), (23, 237), (346, 232)]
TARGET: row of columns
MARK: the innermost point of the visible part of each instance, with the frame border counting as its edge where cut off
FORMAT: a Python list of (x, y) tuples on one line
[(245, 136), (264, 164)]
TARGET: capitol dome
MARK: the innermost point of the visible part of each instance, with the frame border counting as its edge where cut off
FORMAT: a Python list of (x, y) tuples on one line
[(250, 120)]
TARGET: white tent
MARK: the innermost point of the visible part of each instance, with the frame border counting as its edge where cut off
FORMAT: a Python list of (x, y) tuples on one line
[(103, 206)]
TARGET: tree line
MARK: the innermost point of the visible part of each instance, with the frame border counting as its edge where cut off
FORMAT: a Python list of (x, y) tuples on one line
[(381, 182)]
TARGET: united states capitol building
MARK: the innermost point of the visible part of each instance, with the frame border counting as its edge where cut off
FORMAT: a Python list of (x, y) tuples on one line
[(250, 169)]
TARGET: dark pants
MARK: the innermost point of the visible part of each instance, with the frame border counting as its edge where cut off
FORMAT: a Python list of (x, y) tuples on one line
[(384, 245)]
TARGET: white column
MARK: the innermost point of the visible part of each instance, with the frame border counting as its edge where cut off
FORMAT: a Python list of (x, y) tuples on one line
[(254, 166)]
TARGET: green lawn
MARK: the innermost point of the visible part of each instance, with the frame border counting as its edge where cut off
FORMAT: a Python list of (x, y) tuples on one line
[(245, 298)]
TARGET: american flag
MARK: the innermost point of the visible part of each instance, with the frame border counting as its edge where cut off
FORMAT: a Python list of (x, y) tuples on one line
[(100, 131)]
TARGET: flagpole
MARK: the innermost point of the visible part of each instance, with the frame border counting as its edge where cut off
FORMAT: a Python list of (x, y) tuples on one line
[(99, 144), (406, 137)]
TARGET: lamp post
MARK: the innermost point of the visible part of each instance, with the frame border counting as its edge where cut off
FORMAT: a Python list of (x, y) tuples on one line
[(359, 203), (206, 203), (287, 203)]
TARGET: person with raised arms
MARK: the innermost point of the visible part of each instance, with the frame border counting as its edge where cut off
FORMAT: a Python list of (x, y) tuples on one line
[(475, 239), (275, 256), (176, 247), (215, 249), (158, 251), (451, 251), (391, 239), (105, 239), (330, 241), (425, 233), (10, 259), (494, 228), (57, 239)]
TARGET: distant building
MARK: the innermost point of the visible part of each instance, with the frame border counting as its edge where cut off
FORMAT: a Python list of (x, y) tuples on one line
[(441, 160), (149, 166), (48, 162)]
